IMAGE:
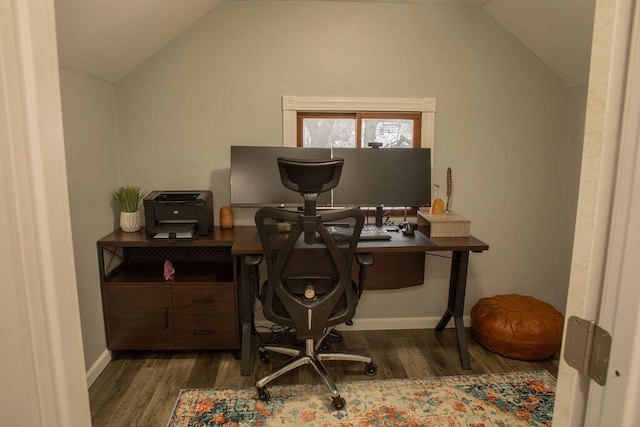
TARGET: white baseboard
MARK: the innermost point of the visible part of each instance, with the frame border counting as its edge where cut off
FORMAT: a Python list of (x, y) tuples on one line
[(388, 324), (358, 325), (96, 369)]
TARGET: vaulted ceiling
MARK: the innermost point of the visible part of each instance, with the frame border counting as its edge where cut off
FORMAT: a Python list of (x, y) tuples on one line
[(106, 39), (558, 31)]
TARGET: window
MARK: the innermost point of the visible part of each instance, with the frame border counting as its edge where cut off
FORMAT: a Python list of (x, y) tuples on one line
[(356, 121), (326, 130), (358, 129)]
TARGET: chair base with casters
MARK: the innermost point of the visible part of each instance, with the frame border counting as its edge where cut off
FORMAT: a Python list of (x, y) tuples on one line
[(310, 355)]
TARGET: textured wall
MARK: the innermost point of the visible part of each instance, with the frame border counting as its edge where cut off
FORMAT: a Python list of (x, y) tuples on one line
[(89, 119), (502, 122), (567, 213)]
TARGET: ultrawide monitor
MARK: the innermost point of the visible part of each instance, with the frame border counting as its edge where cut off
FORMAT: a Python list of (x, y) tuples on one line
[(389, 177), (255, 177)]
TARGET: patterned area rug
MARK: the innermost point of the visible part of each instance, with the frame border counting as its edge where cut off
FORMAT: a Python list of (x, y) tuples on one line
[(512, 399)]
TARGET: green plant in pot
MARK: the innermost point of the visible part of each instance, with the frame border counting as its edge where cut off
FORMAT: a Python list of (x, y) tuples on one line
[(128, 200)]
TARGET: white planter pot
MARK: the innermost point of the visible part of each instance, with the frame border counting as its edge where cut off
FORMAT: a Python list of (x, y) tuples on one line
[(130, 221)]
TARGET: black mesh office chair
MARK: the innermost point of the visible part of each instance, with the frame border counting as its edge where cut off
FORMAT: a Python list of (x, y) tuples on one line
[(309, 285)]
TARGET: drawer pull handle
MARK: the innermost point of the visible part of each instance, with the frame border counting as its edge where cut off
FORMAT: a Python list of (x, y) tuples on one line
[(202, 300), (204, 331), (165, 311)]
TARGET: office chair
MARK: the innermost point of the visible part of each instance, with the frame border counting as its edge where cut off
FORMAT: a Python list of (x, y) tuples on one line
[(309, 285)]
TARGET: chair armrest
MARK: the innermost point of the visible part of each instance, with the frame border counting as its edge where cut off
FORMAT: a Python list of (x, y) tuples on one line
[(252, 260), (365, 260)]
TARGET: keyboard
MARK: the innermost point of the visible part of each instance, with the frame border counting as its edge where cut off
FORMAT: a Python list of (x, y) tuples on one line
[(369, 232)]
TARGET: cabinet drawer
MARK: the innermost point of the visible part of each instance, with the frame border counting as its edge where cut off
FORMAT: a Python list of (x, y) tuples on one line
[(212, 332), (203, 300)]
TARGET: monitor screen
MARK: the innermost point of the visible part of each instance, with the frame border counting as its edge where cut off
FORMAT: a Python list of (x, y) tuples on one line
[(389, 177), (255, 177)]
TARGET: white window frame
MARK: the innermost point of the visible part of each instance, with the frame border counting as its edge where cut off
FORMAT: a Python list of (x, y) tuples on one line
[(292, 104)]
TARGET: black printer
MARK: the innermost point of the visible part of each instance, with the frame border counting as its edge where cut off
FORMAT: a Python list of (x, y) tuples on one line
[(178, 214)]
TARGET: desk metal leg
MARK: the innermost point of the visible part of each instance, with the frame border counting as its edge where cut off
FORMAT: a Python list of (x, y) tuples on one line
[(246, 320), (245, 350), (455, 305)]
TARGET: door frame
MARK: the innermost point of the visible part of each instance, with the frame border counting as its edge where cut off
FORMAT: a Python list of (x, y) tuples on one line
[(42, 357), (616, 402), (601, 205)]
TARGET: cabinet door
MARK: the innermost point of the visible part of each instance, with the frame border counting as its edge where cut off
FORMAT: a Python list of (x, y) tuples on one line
[(138, 317)]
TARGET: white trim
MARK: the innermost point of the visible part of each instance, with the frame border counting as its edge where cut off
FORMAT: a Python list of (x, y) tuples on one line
[(292, 104), (300, 103), (617, 402), (609, 58), (43, 367), (98, 366), (386, 324)]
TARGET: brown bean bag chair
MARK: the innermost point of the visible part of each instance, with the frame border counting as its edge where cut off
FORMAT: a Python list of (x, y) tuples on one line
[(517, 326)]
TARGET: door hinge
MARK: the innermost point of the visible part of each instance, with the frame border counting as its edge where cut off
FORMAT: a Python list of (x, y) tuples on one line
[(587, 347)]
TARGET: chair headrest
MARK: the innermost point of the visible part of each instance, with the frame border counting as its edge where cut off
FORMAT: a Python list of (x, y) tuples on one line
[(310, 176)]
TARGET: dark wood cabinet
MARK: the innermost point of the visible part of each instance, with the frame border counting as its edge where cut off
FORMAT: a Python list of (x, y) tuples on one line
[(138, 316), (196, 310)]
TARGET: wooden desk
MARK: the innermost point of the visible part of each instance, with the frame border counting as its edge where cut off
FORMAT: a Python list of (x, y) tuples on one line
[(247, 244)]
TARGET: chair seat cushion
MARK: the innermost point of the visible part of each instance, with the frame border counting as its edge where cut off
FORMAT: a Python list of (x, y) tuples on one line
[(280, 309), (517, 326)]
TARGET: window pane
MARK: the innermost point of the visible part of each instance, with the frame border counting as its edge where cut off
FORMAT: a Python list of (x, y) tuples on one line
[(328, 132), (392, 133)]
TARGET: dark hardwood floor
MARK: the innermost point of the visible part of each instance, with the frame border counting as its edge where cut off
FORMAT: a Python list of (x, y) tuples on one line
[(140, 389)]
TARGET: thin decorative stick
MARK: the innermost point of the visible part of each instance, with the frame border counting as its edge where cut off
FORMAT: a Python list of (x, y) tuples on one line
[(449, 187)]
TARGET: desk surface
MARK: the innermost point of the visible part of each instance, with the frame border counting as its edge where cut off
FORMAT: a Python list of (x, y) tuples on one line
[(217, 237), (247, 243)]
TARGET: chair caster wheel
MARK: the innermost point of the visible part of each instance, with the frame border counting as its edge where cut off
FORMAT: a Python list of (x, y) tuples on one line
[(263, 394), (370, 369), (338, 402), (265, 357)]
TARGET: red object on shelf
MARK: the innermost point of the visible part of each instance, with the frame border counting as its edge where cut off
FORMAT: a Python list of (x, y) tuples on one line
[(169, 271)]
